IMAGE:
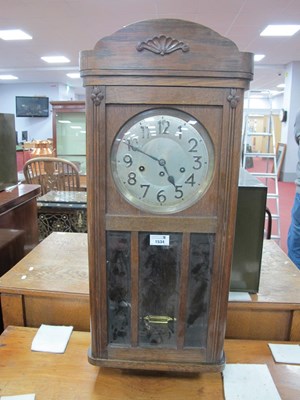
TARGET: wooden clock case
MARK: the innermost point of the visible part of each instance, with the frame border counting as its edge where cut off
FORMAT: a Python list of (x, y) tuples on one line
[(188, 67)]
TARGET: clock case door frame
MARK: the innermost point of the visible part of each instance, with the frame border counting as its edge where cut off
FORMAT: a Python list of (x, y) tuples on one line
[(111, 100)]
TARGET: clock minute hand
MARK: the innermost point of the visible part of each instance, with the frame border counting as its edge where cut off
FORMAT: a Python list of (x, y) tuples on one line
[(134, 148)]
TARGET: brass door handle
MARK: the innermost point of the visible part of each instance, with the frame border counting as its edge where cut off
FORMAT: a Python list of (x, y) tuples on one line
[(158, 319)]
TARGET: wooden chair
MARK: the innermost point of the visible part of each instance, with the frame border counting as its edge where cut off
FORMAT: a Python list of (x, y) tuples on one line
[(52, 173)]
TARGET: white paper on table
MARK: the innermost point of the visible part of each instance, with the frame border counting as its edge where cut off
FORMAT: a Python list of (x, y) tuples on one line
[(30, 396), (239, 296), (51, 339), (249, 382), (286, 353)]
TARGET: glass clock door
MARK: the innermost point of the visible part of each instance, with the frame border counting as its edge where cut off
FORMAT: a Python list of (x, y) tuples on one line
[(173, 290), (159, 278)]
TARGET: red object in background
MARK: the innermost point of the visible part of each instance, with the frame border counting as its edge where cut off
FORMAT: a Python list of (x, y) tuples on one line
[(22, 157)]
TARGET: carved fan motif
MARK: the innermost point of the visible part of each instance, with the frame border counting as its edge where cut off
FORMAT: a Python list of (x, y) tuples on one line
[(162, 45)]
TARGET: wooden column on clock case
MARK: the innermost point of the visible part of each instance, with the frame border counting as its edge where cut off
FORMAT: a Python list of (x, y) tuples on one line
[(187, 67)]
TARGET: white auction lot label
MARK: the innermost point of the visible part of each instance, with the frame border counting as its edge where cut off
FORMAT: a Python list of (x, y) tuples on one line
[(159, 240)]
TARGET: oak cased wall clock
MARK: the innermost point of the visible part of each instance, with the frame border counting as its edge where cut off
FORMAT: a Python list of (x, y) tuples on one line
[(164, 102)]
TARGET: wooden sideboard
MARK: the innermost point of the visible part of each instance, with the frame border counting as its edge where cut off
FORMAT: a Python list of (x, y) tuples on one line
[(50, 285), (69, 376), (18, 210), (18, 225)]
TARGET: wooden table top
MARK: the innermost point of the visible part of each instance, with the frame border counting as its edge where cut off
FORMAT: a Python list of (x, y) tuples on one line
[(59, 264), (69, 376), (279, 279)]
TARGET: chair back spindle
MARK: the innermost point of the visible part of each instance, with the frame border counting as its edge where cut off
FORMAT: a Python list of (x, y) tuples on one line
[(52, 173)]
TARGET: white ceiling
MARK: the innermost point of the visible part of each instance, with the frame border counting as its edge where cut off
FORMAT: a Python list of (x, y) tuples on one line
[(66, 27)]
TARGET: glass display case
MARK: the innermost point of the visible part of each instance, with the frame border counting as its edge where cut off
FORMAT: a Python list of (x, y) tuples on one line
[(69, 132)]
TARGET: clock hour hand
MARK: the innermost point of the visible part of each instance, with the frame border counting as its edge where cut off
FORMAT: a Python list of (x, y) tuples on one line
[(170, 177), (171, 180)]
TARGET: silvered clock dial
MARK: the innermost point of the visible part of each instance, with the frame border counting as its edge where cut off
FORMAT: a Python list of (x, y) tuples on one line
[(162, 160)]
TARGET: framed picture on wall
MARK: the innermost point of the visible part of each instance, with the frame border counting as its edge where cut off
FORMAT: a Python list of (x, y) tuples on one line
[(280, 153)]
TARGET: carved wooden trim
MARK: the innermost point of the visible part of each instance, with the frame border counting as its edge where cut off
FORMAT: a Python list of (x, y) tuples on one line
[(97, 96), (162, 45), (233, 98)]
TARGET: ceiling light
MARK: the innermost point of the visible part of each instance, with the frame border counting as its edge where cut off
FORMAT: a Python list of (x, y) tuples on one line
[(74, 75), (280, 30), (55, 59), (14, 34), (8, 77), (281, 85), (259, 57)]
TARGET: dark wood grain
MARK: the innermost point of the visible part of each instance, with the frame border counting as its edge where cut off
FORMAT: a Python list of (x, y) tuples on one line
[(18, 210), (192, 69)]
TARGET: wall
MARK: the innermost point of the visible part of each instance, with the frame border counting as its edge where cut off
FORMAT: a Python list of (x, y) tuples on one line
[(38, 128), (258, 105)]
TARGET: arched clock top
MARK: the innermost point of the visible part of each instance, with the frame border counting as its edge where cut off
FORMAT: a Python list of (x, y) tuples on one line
[(194, 50)]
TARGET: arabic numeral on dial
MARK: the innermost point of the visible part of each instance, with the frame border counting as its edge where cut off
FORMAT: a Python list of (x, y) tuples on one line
[(132, 144), (178, 192), (146, 132), (161, 198), (163, 126), (127, 160), (131, 179), (198, 162), (146, 187), (179, 132), (190, 180), (194, 144)]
